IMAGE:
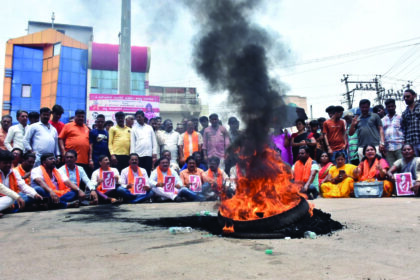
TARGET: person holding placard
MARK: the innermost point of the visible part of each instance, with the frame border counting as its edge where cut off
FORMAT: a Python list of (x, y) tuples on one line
[(165, 182), (105, 180), (408, 165), (194, 180), (135, 187)]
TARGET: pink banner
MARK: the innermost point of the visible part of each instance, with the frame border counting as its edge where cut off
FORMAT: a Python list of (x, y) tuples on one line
[(109, 104), (195, 182), (109, 181)]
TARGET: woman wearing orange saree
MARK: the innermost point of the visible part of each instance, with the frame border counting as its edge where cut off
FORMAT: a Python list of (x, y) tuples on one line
[(374, 168), (339, 182)]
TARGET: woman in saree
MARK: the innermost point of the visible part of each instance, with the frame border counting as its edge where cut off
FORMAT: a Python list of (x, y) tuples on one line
[(374, 168), (301, 138), (408, 164), (324, 167), (339, 182)]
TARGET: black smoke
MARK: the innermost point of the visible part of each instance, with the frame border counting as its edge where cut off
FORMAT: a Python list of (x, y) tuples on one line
[(232, 54)]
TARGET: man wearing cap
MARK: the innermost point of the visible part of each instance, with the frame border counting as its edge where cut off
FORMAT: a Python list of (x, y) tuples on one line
[(368, 127), (335, 133)]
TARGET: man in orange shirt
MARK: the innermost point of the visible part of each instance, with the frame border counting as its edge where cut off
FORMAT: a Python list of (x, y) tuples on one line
[(75, 136), (335, 133), (193, 172)]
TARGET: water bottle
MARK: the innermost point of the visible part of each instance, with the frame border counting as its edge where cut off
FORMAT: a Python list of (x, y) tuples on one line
[(309, 234), (178, 230)]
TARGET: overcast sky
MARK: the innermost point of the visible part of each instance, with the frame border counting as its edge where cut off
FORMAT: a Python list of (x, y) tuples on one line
[(321, 36)]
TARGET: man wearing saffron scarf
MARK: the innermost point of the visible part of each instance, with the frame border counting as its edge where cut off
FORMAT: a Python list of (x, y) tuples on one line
[(128, 180), (190, 142), (305, 172), (12, 186), (49, 182), (186, 176), (216, 177), (105, 194), (157, 181), (25, 168), (77, 174)]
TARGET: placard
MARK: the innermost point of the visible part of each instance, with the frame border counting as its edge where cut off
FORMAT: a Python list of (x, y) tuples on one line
[(195, 183), (169, 184), (109, 181), (403, 183), (139, 184)]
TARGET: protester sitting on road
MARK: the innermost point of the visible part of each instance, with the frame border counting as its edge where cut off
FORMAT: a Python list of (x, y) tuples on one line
[(305, 172), (408, 164), (339, 182), (165, 189), (13, 187), (106, 190), (216, 177), (193, 172), (77, 175), (373, 167), (24, 169), (50, 183), (128, 181), (324, 167)]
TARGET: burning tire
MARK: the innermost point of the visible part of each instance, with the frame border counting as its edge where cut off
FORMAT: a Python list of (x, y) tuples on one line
[(270, 223)]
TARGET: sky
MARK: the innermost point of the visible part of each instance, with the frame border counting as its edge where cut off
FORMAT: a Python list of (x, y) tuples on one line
[(324, 39)]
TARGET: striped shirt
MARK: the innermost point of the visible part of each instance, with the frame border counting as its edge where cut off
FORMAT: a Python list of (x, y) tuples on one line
[(410, 125), (394, 137)]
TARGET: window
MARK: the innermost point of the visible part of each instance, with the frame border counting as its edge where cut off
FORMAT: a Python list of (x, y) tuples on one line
[(26, 91), (57, 49)]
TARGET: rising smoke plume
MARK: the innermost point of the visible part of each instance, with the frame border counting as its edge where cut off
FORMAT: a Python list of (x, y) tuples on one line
[(231, 53)]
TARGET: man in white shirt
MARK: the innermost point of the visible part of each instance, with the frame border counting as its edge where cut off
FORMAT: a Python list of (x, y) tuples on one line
[(77, 174), (169, 140), (128, 182), (143, 142), (42, 137), (12, 186), (16, 133)]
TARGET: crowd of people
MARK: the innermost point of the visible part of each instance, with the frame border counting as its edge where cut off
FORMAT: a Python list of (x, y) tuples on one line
[(46, 164)]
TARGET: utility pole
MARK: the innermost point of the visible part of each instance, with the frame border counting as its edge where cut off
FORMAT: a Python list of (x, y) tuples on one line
[(349, 101), (124, 59), (373, 85)]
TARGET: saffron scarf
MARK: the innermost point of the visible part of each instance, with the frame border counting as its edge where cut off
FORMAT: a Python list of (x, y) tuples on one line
[(219, 178), (22, 173), (61, 189), (324, 172), (368, 172), (160, 178), (77, 174), (303, 171), (12, 183), (194, 138)]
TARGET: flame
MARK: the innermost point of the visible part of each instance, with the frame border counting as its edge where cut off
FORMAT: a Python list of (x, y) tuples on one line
[(228, 229), (264, 191)]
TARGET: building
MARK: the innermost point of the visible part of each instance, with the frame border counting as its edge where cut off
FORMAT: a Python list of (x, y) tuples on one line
[(64, 66), (177, 103), (42, 69)]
